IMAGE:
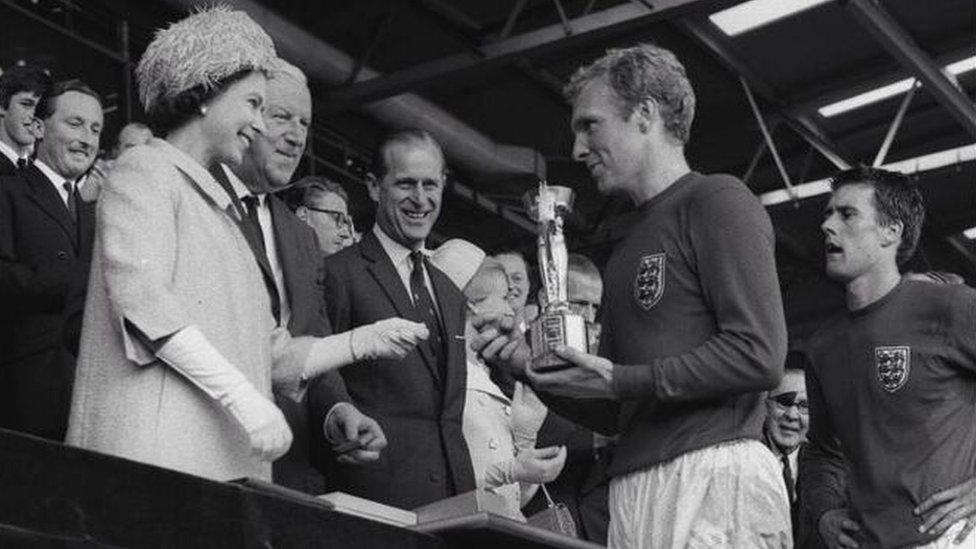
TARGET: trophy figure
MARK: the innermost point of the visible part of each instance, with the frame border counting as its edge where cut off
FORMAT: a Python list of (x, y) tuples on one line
[(556, 324)]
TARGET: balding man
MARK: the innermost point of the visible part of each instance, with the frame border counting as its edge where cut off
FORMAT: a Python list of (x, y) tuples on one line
[(288, 254)]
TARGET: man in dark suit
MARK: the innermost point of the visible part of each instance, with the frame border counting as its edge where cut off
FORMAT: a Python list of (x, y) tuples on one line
[(46, 235), (288, 253), (418, 401), (21, 89)]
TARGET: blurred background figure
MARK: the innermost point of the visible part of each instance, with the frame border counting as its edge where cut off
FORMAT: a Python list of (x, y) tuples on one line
[(583, 486), (500, 431), (519, 284), (325, 207), (787, 420), (21, 90), (132, 134)]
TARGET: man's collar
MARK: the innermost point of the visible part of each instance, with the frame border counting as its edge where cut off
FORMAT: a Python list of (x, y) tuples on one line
[(10, 153), (397, 252), (51, 175), (239, 187)]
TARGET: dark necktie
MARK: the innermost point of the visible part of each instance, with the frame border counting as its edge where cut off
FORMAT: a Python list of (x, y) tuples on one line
[(72, 201), (788, 477), (253, 224), (424, 306), (251, 205), (21, 163)]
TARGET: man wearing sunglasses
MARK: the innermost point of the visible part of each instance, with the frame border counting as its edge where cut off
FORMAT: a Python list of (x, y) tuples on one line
[(325, 208), (787, 419), (418, 400)]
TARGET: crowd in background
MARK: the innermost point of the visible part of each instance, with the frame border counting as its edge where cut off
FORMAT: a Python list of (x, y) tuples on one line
[(163, 303)]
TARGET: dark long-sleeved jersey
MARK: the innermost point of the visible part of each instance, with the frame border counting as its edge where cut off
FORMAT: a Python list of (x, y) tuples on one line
[(893, 388), (693, 321)]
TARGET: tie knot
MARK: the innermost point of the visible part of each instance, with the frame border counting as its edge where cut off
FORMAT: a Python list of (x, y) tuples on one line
[(68, 186), (21, 163), (251, 201), (417, 257)]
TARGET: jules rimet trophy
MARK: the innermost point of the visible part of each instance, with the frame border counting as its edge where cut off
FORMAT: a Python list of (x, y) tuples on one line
[(556, 324)]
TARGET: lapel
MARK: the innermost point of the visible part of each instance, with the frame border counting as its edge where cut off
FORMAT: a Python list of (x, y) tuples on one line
[(86, 226), (451, 304), (382, 269), (48, 199), (6, 166), (235, 205), (292, 253), (253, 238), (201, 179)]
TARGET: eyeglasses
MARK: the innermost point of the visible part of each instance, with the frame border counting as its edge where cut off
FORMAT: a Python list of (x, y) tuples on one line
[(791, 398), (341, 219)]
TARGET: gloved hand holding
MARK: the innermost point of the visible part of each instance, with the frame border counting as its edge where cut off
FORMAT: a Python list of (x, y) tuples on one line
[(528, 415), (388, 338), (533, 466)]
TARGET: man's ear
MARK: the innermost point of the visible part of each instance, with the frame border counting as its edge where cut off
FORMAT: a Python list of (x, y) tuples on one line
[(646, 112), (892, 234), (373, 186)]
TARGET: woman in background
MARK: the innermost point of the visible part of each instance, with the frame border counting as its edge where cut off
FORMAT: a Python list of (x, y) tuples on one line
[(500, 432)]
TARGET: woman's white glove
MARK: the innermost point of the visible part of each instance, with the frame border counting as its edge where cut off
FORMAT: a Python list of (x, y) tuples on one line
[(189, 353), (532, 466), (528, 415), (388, 338), (263, 422)]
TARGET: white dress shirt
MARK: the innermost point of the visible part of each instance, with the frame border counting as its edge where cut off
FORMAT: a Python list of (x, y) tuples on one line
[(56, 179), (270, 246), (10, 153), (400, 256)]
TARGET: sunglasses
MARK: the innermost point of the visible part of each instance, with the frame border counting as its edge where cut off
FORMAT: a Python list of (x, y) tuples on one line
[(341, 219), (791, 398)]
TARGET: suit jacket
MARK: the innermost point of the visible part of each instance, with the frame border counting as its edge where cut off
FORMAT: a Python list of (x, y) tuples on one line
[(301, 264), (426, 458), (6, 166), (44, 261)]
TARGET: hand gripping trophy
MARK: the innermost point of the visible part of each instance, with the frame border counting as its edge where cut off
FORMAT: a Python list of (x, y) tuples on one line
[(556, 325)]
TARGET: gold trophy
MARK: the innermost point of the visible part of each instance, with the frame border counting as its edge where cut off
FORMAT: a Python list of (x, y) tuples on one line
[(556, 324)]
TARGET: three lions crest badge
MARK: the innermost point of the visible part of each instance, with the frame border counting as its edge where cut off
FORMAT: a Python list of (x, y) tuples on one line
[(649, 284), (893, 365)]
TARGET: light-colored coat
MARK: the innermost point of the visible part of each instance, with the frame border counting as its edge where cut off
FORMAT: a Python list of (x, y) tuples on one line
[(168, 254)]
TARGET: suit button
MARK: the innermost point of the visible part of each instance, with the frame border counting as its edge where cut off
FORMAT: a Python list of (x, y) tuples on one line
[(493, 444), (62, 254), (434, 477)]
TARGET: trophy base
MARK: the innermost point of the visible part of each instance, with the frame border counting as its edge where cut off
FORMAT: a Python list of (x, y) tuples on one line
[(551, 330)]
